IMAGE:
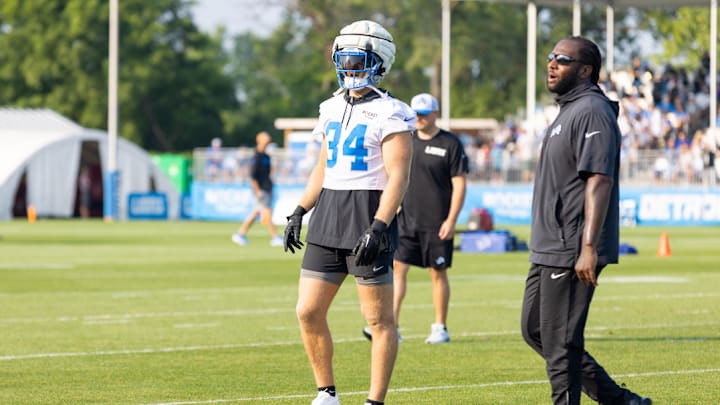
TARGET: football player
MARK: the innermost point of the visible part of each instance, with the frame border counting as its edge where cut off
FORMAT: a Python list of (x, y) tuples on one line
[(355, 190)]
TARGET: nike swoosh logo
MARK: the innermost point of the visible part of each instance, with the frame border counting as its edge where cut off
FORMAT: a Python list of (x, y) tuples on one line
[(556, 276), (589, 134), (377, 268)]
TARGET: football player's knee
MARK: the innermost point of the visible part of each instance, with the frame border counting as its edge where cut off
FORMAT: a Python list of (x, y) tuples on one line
[(380, 320), (307, 315)]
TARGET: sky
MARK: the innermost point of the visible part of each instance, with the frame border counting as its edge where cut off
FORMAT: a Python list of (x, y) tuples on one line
[(239, 16)]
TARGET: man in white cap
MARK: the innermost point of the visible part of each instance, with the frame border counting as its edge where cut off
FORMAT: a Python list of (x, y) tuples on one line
[(355, 190), (427, 225)]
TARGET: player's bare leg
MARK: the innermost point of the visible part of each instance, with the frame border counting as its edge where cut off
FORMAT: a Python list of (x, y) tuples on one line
[(314, 298), (249, 220), (400, 271), (266, 218), (377, 307), (441, 294)]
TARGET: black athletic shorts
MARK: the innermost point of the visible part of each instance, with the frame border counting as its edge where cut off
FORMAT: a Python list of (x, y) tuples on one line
[(331, 260), (424, 249)]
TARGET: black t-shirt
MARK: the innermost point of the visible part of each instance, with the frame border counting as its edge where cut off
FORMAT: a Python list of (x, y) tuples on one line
[(260, 171), (583, 139), (435, 162)]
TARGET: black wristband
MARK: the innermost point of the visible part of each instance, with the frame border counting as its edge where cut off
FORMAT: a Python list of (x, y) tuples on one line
[(299, 210), (378, 226)]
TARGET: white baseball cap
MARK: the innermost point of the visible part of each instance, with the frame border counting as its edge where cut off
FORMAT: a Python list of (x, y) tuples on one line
[(424, 104)]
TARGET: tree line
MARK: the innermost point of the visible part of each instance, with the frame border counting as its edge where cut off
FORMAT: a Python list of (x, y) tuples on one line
[(180, 86)]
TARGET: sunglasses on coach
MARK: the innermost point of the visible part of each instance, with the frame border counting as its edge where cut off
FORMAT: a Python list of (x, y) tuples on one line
[(561, 59)]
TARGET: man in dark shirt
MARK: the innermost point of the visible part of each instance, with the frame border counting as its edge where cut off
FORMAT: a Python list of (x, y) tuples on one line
[(575, 225), (429, 212), (262, 188)]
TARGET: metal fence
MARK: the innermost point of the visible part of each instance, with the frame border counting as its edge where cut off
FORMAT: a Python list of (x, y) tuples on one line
[(292, 167)]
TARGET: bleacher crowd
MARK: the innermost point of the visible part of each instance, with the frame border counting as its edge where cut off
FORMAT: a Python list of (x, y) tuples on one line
[(664, 119)]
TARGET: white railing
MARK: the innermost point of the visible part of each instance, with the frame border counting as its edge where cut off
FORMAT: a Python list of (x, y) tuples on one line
[(642, 167)]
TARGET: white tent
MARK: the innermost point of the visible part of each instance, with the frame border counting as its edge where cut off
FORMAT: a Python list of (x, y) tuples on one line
[(46, 148)]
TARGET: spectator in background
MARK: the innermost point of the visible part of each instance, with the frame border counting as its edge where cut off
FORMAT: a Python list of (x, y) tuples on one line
[(85, 188), (526, 151), (214, 162), (263, 189), (711, 140)]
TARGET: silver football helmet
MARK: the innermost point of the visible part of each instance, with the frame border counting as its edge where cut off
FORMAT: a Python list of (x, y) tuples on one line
[(363, 54)]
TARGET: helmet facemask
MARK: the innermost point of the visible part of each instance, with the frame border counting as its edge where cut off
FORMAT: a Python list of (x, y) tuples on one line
[(363, 53), (357, 68)]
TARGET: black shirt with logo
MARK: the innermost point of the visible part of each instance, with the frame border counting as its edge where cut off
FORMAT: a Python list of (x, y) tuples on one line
[(584, 139), (435, 162), (260, 171)]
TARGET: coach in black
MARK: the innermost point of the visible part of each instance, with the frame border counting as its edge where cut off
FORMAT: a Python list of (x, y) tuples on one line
[(574, 225), (429, 212)]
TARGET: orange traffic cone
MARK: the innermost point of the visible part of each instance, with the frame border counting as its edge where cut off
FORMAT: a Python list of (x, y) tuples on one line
[(31, 214), (664, 247)]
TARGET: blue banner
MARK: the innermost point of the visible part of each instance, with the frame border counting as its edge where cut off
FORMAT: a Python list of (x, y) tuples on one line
[(234, 202), (147, 206), (672, 207), (509, 205), (185, 206), (512, 205)]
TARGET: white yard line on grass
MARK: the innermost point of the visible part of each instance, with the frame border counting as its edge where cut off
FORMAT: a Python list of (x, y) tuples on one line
[(11, 357), (141, 315), (342, 305), (644, 279), (132, 294), (106, 321), (36, 266), (195, 325), (435, 388), (144, 351)]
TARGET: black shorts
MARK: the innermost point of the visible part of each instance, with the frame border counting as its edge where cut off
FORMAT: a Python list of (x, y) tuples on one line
[(331, 260), (424, 249)]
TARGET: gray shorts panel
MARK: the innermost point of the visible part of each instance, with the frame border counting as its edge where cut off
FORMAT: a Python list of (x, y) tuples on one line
[(338, 278), (322, 259), (262, 201)]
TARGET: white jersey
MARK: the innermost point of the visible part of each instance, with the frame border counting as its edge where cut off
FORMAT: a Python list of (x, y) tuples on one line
[(354, 135)]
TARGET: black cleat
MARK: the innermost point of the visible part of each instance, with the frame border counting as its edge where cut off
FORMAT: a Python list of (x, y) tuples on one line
[(631, 398)]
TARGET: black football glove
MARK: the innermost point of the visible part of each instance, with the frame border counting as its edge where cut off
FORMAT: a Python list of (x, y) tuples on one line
[(371, 242), (291, 239)]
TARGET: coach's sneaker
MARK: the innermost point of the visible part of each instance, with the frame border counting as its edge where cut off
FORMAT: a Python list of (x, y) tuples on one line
[(276, 241), (438, 334), (324, 398), (367, 332), (240, 239), (631, 398)]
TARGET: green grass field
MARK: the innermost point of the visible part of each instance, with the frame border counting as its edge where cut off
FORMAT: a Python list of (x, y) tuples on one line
[(173, 312)]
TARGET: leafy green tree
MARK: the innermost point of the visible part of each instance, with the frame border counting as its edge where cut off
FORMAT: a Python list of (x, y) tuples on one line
[(684, 33), (172, 88), (279, 76), (287, 74)]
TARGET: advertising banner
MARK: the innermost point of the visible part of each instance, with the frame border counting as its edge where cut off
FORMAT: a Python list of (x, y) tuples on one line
[(147, 206), (509, 205)]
